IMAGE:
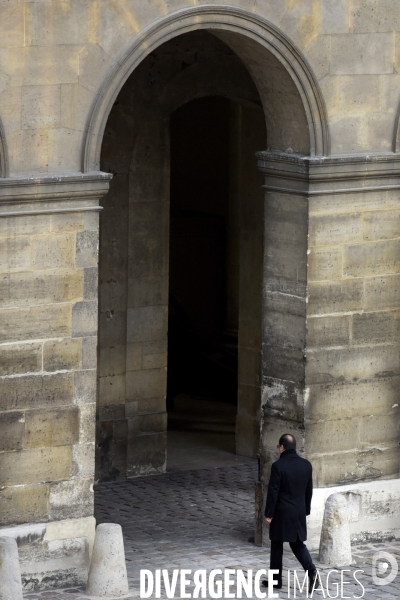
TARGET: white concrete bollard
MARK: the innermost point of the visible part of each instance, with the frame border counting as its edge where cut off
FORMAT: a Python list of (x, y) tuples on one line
[(107, 574), (335, 547), (10, 572)]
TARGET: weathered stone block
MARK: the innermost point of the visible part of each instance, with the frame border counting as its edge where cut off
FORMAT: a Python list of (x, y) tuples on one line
[(87, 422), (282, 400), (147, 324), (41, 287), (149, 405), (20, 358), (111, 412), (362, 54), (341, 400), (112, 390), (148, 291), (375, 258), (381, 225), (56, 23), (335, 296), (154, 354), (325, 263), (146, 384), (91, 283), (381, 431), (352, 466), (113, 295), (328, 331), (286, 267), (112, 360), (46, 428), (149, 219), (335, 229), (57, 251), (146, 454), (83, 460), (62, 355), (12, 431), (71, 499), (340, 204), (35, 322), (328, 436), (93, 64), (12, 24), (35, 466), (352, 363), (89, 352), (15, 255), (67, 222), (359, 94), (74, 101), (24, 504), (34, 65), (382, 292), (36, 391), (41, 106), (154, 423), (374, 328), (112, 328), (284, 363), (149, 258), (87, 248), (284, 320), (334, 17), (85, 384), (61, 561), (372, 16), (84, 319), (134, 356)]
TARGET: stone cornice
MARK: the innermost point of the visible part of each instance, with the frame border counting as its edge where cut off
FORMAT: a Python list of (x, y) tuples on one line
[(55, 192), (307, 175)]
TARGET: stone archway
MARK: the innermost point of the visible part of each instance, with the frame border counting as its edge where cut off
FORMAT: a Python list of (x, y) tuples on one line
[(288, 88), (295, 117)]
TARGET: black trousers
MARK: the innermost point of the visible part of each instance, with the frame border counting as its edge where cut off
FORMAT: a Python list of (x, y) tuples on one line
[(300, 551)]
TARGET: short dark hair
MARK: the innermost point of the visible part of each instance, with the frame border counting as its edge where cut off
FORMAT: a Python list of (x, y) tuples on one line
[(288, 441)]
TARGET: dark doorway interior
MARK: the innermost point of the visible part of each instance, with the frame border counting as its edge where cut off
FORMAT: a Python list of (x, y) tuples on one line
[(203, 303)]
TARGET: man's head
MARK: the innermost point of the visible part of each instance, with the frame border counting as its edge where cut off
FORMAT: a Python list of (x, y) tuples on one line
[(287, 441)]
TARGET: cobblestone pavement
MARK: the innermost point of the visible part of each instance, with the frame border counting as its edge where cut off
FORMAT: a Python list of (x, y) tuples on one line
[(202, 519)]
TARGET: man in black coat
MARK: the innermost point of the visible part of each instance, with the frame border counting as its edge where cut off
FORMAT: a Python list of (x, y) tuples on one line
[(288, 502)]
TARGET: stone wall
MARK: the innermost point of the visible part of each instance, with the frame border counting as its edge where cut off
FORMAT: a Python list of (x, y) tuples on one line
[(48, 362), (353, 336), (350, 414)]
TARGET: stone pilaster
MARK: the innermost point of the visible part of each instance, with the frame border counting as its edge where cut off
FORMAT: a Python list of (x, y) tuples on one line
[(48, 366), (347, 381)]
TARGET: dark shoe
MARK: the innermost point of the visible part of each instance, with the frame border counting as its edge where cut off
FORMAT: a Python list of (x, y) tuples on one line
[(313, 577), (264, 583)]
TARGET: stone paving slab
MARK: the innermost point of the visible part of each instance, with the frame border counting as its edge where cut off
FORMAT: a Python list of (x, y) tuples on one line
[(203, 519)]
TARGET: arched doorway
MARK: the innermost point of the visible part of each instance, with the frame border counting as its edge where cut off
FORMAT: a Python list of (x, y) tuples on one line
[(135, 231)]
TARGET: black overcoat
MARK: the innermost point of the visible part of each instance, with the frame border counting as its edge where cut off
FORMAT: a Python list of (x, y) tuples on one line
[(289, 497)]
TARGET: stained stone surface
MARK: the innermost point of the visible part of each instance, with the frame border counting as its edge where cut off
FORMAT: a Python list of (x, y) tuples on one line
[(202, 519)]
